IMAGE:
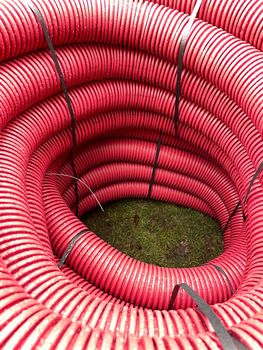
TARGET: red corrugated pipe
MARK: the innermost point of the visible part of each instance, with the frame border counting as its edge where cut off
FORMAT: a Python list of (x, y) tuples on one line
[(119, 62)]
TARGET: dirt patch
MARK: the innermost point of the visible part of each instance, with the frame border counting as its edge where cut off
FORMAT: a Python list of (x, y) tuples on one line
[(158, 233)]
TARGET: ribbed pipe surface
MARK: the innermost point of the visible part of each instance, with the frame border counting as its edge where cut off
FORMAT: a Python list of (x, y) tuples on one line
[(119, 60)]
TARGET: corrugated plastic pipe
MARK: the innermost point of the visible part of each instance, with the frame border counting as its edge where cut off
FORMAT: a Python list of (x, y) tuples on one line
[(119, 62)]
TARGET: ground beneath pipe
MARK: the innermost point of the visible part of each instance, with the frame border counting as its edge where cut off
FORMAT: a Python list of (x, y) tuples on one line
[(158, 233)]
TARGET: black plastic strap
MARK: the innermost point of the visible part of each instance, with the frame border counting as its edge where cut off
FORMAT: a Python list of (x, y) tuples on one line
[(225, 338), (185, 36), (70, 247), (258, 171), (238, 344), (244, 216), (66, 94), (231, 216), (218, 268), (158, 148)]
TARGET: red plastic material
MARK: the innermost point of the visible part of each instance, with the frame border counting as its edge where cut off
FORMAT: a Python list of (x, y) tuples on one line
[(119, 62)]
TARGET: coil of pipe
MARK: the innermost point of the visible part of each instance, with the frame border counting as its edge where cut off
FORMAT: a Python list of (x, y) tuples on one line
[(119, 60)]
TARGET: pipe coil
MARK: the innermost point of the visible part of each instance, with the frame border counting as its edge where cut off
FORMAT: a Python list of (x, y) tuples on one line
[(119, 61)]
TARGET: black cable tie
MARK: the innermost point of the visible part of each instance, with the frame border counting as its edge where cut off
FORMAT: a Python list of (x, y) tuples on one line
[(66, 94), (227, 342), (258, 171), (70, 247), (219, 269), (185, 36), (158, 148)]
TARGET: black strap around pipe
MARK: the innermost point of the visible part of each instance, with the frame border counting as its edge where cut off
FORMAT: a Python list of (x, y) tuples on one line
[(226, 340), (70, 247), (66, 94), (158, 148), (257, 173), (185, 36), (222, 271)]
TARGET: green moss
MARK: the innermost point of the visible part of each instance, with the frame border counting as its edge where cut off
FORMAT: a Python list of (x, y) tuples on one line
[(158, 233)]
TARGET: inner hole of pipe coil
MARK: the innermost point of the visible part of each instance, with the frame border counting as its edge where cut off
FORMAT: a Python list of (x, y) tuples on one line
[(157, 233)]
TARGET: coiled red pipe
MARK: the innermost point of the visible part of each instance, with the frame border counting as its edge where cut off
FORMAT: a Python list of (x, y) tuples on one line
[(119, 62)]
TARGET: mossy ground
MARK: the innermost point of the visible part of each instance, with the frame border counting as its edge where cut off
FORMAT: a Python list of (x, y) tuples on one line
[(157, 233)]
